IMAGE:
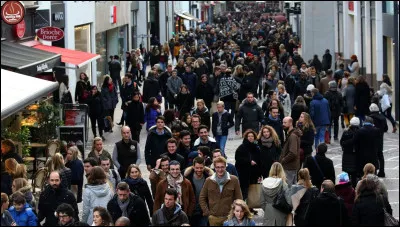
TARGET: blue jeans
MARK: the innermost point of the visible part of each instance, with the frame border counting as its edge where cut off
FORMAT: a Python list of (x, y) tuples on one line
[(162, 66), (221, 141), (319, 136)]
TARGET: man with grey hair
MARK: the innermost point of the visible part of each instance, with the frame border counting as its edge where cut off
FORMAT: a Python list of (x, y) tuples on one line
[(380, 123), (366, 145)]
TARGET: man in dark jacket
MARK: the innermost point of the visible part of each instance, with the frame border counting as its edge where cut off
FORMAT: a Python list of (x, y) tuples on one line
[(172, 146), (326, 60), (51, 197), (328, 208), (297, 59), (300, 87), (115, 71), (190, 79), (163, 79), (156, 142), (125, 203), (320, 114), (290, 82), (320, 167), (258, 72), (126, 94), (170, 213), (380, 123), (250, 115), (222, 121), (205, 140), (126, 152), (362, 98), (349, 162), (275, 122), (151, 88), (65, 213), (335, 100), (366, 144), (230, 168)]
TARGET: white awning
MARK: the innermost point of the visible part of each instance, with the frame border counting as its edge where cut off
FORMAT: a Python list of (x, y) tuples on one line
[(183, 16), (191, 16), (18, 91)]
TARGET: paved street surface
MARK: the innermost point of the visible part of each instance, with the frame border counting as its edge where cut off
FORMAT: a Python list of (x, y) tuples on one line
[(391, 153)]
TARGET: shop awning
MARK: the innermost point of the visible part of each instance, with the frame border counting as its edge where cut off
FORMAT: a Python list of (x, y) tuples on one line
[(75, 57), (183, 16), (18, 91), (27, 60), (192, 17)]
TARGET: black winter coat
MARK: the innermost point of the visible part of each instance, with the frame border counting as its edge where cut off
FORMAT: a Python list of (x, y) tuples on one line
[(362, 98), (246, 85), (328, 210), (297, 109), (226, 123), (155, 145), (206, 92), (326, 166), (95, 104), (136, 208), (184, 103), (162, 80), (50, 199), (141, 188), (366, 145), (6, 183), (368, 210), (307, 140), (135, 115), (349, 162), (151, 88), (300, 219), (81, 86), (250, 116), (335, 100), (205, 116), (277, 125), (326, 61), (267, 157), (301, 87), (244, 154)]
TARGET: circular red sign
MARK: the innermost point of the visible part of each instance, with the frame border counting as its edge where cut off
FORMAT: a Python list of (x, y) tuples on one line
[(20, 29), (50, 33), (12, 12)]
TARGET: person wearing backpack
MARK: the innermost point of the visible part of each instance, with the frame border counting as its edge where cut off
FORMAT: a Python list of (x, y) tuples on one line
[(335, 100)]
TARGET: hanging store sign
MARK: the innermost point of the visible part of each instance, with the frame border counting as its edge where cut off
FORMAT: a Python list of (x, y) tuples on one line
[(351, 6), (113, 12), (50, 33), (20, 29), (12, 12)]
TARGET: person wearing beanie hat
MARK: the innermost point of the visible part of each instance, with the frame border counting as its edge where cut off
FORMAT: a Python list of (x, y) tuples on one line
[(349, 163), (380, 123), (310, 87), (345, 190), (335, 100)]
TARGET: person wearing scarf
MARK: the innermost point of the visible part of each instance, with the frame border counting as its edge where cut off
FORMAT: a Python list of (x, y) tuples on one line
[(270, 149)]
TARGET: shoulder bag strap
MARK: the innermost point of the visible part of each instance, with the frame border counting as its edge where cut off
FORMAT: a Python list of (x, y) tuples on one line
[(316, 164)]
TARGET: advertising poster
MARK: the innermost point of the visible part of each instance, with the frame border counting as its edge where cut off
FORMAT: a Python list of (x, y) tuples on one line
[(73, 136)]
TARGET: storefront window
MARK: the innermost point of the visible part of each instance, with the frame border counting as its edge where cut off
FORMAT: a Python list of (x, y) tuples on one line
[(101, 49), (82, 43), (388, 7)]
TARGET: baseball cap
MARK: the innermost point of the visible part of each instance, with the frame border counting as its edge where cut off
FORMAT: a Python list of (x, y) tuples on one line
[(343, 178)]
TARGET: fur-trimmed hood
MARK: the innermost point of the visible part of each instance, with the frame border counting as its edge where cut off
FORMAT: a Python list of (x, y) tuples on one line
[(207, 171), (210, 139), (153, 129)]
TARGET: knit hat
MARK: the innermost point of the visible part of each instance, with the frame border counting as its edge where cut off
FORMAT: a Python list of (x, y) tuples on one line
[(355, 121), (343, 178), (373, 107), (310, 87), (332, 84)]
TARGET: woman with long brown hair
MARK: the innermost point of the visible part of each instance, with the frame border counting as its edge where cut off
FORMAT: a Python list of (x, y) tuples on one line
[(307, 128), (56, 163), (270, 147), (298, 107), (302, 195)]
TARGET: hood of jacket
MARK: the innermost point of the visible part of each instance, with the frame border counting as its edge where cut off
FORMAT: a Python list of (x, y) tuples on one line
[(27, 191), (205, 110), (247, 103), (271, 186), (177, 208), (99, 190), (24, 209), (153, 129), (318, 96), (190, 169)]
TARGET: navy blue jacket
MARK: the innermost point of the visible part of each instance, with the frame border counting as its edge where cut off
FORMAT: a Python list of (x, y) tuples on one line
[(320, 111)]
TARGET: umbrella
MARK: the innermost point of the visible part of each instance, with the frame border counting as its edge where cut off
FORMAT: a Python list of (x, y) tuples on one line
[(280, 18)]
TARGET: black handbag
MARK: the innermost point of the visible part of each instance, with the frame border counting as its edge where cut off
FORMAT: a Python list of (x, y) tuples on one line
[(280, 202)]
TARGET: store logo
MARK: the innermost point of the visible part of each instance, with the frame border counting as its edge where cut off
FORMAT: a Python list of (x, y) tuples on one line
[(59, 16), (20, 29), (50, 33), (42, 67), (12, 12)]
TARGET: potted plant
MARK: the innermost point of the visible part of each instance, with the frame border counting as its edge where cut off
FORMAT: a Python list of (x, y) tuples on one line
[(21, 137), (49, 120)]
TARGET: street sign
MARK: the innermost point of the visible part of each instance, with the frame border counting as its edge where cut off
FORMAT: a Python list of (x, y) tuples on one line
[(50, 33)]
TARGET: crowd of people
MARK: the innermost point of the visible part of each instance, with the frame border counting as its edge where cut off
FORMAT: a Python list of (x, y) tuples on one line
[(242, 72)]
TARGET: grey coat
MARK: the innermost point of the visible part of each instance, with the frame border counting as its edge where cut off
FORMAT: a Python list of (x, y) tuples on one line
[(95, 195), (349, 96), (174, 84), (270, 188), (109, 99)]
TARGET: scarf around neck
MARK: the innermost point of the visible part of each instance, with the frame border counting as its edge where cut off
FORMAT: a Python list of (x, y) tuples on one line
[(124, 207), (235, 222), (177, 184), (221, 181), (168, 212), (267, 142)]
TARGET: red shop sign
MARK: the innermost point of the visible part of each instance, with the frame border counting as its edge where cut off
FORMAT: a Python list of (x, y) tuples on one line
[(20, 29), (351, 6), (50, 33), (12, 12)]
